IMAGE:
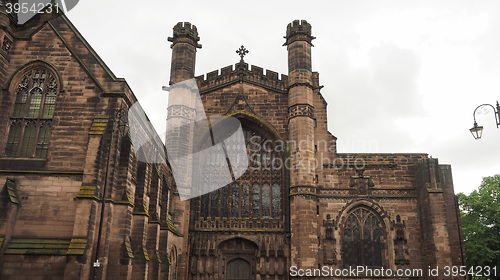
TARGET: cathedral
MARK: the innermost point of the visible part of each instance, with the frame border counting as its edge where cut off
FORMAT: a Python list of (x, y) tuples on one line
[(78, 202)]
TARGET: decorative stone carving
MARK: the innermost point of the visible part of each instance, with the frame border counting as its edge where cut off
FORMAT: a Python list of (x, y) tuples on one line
[(7, 44), (297, 110), (400, 247), (361, 184), (329, 250), (181, 111), (240, 104)]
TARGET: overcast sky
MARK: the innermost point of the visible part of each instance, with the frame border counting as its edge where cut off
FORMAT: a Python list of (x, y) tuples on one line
[(399, 76)]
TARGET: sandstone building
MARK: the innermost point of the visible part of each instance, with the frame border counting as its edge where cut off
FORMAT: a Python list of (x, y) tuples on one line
[(304, 206)]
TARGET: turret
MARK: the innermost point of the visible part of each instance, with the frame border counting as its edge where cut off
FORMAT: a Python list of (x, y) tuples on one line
[(304, 249), (182, 113), (184, 45), (7, 21), (300, 100), (299, 42)]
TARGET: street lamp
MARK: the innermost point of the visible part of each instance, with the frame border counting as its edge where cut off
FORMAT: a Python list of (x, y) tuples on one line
[(119, 115), (477, 130)]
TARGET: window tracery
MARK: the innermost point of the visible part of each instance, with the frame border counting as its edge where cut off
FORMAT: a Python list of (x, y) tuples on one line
[(30, 123), (362, 238), (257, 193)]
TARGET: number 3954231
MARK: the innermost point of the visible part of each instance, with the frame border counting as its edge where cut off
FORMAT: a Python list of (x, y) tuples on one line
[(34, 8)]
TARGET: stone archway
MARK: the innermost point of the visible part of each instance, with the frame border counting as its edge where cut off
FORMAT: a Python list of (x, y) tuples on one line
[(238, 258)]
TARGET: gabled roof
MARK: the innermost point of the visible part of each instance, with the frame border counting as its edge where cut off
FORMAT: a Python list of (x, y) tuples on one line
[(80, 49)]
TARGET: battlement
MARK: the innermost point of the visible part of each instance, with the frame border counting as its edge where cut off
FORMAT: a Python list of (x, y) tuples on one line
[(12, 15), (240, 72), (301, 28), (185, 30), (298, 26)]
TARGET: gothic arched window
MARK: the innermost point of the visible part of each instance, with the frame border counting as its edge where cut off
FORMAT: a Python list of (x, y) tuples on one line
[(256, 194), (30, 124), (362, 238), (173, 264)]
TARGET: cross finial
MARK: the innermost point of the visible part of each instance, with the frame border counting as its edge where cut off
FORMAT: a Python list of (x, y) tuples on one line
[(242, 52)]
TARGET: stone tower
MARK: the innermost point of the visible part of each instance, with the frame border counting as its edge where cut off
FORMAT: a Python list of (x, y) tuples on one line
[(184, 45), (182, 113), (301, 136), (6, 21)]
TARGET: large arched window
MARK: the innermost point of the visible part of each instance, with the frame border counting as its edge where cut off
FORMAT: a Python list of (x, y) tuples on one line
[(362, 238), (30, 124), (256, 194)]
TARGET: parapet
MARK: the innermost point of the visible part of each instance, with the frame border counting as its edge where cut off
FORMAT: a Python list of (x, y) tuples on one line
[(298, 30), (228, 75), (185, 30)]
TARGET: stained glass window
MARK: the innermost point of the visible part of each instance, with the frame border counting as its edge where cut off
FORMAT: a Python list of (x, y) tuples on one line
[(43, 140), (28, 140), (50, 100), (266, 201), (205, 199), (362, 239), (245, 201), (257, 193), (214, 204), (22, 97), (14, 139), (276, 200), (235, 201), (255, 200), (35, 102), (224, 202), (33, 110)]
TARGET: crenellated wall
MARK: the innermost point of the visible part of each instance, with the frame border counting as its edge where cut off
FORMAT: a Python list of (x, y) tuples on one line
[(230, 75)]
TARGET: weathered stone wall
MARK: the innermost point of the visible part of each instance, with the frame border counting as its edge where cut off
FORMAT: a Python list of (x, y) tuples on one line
[(391, 193), (51, 205), (228, 94)]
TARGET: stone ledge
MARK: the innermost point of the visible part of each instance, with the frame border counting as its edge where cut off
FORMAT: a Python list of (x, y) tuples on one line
[(11, 163), (10, 189), (44, 172), (171, 227), (39, 246)]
